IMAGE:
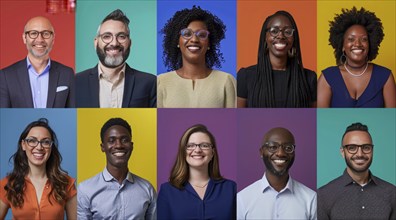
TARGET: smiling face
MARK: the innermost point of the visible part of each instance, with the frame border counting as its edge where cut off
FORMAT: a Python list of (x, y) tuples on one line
[(117, 146), (37, 156), (197, 157), (114, 53), (356, 45), (358, 162), (193, 50), (39, 47), (279, 162), (279, 45)]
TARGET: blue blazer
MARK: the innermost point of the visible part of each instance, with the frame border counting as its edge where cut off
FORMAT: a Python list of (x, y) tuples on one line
[(15, 90), (140, 89)]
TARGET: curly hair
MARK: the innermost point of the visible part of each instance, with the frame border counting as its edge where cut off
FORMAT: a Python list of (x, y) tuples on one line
[(172, 56), (57, 177), (356, 127), (346, 19), (262, 95)]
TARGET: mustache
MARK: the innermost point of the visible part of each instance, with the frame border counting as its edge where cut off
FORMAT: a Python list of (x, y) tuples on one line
[(117, 47), (359, 158)]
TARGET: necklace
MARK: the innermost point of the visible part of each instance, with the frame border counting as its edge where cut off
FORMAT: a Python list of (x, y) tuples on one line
[(200, 186), (356, 75)]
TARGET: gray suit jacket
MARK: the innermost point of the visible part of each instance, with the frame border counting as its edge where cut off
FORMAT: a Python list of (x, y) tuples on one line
[(15, 90)]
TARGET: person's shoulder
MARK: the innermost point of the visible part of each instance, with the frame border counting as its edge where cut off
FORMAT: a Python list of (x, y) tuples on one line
[(4, 181), (310, 73), (381, 68), (252, 189), (330, 69), (60, 65), (384, 184), (14, 66), (249, 69), (167, 75), (139, 74), (303, 188), (86, 72), (141, 181), (332, 185), (89, 183), (228, 182)]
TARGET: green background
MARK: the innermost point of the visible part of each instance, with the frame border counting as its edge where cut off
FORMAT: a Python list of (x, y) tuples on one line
[(142, 16), (331, 125)]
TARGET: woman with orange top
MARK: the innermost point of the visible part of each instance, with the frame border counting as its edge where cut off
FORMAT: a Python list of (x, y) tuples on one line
[(38, 188)]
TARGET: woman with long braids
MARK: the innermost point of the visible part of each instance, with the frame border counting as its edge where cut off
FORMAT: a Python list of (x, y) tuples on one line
[(279, 79), (38, 188)]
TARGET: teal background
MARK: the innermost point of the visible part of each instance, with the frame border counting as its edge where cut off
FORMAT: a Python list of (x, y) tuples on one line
[(142, 16), (331, 125)]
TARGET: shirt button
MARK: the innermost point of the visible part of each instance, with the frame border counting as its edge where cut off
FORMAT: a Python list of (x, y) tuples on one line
[(363, 207), (362, 189)]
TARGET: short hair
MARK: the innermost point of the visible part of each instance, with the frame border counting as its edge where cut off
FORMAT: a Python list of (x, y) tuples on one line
[(356, 127), (172, 57), (180, 173), (114, 121), (346, 19), (116, 15)]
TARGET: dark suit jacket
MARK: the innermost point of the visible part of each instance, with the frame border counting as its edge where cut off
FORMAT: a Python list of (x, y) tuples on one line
[(15, 90), (140, 89)]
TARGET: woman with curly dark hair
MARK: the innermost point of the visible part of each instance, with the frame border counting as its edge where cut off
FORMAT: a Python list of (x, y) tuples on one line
[(191, 48), (38, 188), (356, 36), (279, 80)]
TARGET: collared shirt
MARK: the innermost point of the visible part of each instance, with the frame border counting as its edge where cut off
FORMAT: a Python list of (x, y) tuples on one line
[(39, 84), (180, 204), (260, 201), (102, 197), (111, 92), (33, 210), (343, 198)]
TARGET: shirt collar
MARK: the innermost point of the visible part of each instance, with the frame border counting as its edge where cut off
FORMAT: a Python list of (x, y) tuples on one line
[(266, 186), (346, 179), (108, 177), (120, 74), (29, 64)]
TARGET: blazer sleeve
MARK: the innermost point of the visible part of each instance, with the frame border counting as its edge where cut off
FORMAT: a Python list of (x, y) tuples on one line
[(4, 94), (71, 99), (153, 93)]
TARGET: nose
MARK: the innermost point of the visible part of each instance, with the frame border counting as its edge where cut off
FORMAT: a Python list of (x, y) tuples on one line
[(280, 151), (197, 148)]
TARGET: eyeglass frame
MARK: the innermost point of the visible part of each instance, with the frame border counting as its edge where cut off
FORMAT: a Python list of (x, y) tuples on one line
[(266, 145), (112, 37), (26, 140), (280, 30), (39, 33), (358, 146), (194, 33), (199, 145)]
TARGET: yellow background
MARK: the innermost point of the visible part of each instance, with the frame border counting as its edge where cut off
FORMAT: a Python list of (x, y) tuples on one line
[(91, 160), (384, 10)]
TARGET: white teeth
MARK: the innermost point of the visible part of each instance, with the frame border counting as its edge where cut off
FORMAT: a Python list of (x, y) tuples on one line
[(357, 51), (193, 48), (196, 156), (38, 155), (280, 46), (279, 161), (119, 154)]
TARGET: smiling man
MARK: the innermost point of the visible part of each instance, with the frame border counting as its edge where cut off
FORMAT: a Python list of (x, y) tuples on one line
[(277, 195), (112, 83), (116, 193), (357, 194)]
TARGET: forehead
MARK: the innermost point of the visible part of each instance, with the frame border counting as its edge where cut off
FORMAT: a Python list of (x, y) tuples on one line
[(357, 137), (116, 130), (280, 136), (38, 131), (279, 21), (197, 25), (39, 24), (113, 26), (356, 30), (199, 137)]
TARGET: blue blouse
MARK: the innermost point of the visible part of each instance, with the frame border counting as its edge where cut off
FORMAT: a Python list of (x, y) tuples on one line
[(219, 201)]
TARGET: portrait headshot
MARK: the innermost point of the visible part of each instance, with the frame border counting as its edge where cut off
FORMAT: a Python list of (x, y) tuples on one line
[(38, 165), (193, 55), (356, 78), (271, 73), (356, 164), (122, 162), (114, 81)]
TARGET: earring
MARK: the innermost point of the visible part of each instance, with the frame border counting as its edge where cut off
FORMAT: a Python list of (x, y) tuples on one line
[(292, 52), (178, 46), (343, 57), (208, 48)]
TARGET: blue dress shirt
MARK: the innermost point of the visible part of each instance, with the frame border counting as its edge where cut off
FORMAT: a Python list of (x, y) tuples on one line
[(260, 201), (218, 202), (39, 84), (102, 197)]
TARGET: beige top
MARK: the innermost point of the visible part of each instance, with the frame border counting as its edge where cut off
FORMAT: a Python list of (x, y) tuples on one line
[(111, 91), (218, 90)]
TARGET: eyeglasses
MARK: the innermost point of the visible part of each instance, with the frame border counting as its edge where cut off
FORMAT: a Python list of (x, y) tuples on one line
[(108, 37), (274, 147), (123, 140), (45, 143), (274, 31), (202, 146), (187, 34), (44, 34), (353, 148)]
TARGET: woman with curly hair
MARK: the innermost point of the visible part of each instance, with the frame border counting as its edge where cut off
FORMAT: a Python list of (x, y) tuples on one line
[(191, 48), (196, 189), (356, 36), (38, 188), (279, 80)]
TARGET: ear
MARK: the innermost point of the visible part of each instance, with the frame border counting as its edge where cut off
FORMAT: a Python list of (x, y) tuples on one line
[(23, 144), (24, 38), (95, 42), (102, 147), (261, 152), (342, 152)]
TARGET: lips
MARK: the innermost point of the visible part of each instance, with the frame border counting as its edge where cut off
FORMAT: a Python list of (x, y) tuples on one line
[(113, 50), (279, 162), (119, 153), (194, 48), (38, 156), (280, 46), (357, 51)]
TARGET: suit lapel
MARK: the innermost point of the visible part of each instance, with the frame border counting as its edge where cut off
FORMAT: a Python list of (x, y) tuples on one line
[(52, 85), (24, 82), (129, 84), (93, 83)]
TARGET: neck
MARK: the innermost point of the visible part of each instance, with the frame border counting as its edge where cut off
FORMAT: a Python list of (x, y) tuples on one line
[(278, 63), (38, 64), (193, 71), (277, 182), (119, 173), (356, 66), (111, 72), (37, 172), (360, 177), (199, 176)]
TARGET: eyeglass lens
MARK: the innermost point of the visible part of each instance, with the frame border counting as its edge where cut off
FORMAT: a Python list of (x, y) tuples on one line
[(108, 37), (34, 34), (287, 32), (188, 34)]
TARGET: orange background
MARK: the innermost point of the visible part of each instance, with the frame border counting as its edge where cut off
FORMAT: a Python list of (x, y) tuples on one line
[(251, 16)]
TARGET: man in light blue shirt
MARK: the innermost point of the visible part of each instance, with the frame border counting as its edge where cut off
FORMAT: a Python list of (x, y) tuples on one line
[(277, 195), (116, 193)]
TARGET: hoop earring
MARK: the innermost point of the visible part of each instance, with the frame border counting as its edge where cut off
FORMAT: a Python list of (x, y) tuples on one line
[(292, 52), (343, 58), (178, 46)]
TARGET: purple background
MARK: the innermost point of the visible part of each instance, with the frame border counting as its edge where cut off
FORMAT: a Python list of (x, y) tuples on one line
[(173, 122), (254, 123)]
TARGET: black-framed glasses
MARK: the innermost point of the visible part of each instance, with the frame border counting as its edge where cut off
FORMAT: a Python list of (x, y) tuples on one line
[(108, 37), (33, 142), (273, 147), (353, 148), (123, 140), (44, 34), (274, 31), (187, 34), (202, 146)]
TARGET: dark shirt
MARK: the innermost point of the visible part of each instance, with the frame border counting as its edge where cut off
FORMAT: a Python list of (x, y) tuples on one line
[(219, 202), (343, 198)]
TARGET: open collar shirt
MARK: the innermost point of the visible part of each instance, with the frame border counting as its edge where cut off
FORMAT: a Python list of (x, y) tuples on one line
[(39, 84), (111, 92)]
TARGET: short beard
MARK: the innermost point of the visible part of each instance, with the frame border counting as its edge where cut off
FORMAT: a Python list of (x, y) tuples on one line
[(46, 52), (362, 170), (271, 168), (110, 61)]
